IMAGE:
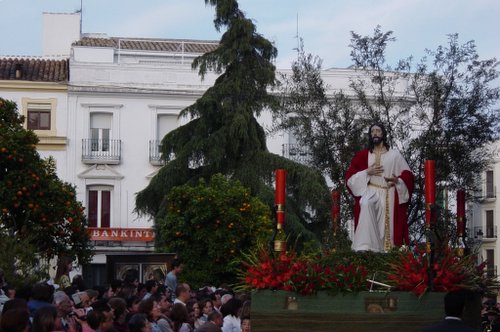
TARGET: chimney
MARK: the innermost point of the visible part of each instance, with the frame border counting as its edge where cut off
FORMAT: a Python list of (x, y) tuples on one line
[(19, 71)]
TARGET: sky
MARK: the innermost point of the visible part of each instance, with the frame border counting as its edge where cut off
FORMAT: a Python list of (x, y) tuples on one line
[(324, 25)]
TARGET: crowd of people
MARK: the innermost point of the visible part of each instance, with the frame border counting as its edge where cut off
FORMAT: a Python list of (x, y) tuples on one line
[(123, 306)]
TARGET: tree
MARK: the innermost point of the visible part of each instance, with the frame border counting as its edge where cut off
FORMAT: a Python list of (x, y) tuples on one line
[(444, 108), (209, 225), (225, 137), (34, 203), (329, 125)]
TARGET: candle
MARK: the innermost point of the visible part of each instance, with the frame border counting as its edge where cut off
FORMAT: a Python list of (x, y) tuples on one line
[(430, 188), (279, 198), (461, 212)]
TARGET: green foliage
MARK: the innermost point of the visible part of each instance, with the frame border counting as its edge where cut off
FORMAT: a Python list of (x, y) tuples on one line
[(443, 108), (34, 203), (225, 137), (20, 265), (208, 225)]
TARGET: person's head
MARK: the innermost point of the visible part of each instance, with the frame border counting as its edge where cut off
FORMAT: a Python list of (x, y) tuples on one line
[(63, 303), (78, 283), (377, 135), (119, 307), (93, 295), (151, 286), (150, 308), (179, 314), (215, 297), (164, 303), (15, 304), (216, 318), (176, 266), (232, 307), (64, 266), (45, 319), (193, 308), (42, 291), (226, 297), (101, 316), (133, 304), (139, 323), (15, 320), (245, 324), (183, 292), (206, 306), (454, 303)]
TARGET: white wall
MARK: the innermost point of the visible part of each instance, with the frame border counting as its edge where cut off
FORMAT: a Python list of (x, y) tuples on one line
[(60, 30)]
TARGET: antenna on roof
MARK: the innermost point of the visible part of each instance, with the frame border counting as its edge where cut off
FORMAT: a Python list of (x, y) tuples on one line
[(81, 17), (297, 37)]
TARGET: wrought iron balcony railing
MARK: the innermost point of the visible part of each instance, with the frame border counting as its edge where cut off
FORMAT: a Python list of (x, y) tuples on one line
[(155, 153), (101, 151), (297, 152)]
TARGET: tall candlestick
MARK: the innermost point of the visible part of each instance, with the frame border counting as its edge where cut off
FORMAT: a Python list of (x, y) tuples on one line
[(460, 212), (430, 189), (279, 198)]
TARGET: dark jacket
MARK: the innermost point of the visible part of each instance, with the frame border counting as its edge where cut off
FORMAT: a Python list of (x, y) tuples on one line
[(449, 325)]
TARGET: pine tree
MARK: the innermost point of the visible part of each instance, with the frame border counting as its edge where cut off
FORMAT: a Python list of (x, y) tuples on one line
[(34, 203), (225, 137)]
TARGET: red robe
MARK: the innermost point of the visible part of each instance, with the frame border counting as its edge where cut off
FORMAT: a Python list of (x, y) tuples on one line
[(360, 163)]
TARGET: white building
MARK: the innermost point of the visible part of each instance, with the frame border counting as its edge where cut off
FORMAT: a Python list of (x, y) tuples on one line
[(484, 214)]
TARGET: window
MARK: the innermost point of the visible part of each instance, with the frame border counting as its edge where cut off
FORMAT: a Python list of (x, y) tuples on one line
[(99, 207), (100, 131), (38, 120), (490, 188), (166, 123), (489, 224), (490, 263), (40, 115)]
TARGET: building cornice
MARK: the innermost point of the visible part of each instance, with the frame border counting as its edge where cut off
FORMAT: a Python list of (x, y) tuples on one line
[(32, 86)]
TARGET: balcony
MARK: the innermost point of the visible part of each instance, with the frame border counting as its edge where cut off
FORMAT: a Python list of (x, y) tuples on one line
[(491, 271), (155, 153), (297, 152), (484, 234), (101, 151)]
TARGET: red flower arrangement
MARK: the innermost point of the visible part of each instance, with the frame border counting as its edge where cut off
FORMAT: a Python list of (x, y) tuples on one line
[(304, 275), (412, 271)]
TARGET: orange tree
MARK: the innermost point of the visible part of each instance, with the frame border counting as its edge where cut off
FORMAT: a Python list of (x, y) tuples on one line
[(209, 226), (34, 203)]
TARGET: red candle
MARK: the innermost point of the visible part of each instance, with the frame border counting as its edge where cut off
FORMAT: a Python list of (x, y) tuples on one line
[(430, 188), (279, 198), (461, 212)]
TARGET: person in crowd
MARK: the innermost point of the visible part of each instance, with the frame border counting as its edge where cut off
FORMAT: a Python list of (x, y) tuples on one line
[(213, 324), (245, 323), (382, 183), (216, 299), (15, 320), (193, 310), (41, 296), (141, 290), (206, 307), (93, 295), (64, 267), (182, 293), (15, 304), (151, 309), (78, 283), (230, 310), (171, 278), (454, 303), (3, 295), (151, 288), (225, 297), (101, 317), (139, 323), (180, 318), (164, 321), (119, 307), (245, 308), (132, 305), (490, 321), (65, 313), (45, 319)]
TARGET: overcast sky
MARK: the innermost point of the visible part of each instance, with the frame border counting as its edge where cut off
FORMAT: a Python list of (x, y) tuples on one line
[(324, 25)]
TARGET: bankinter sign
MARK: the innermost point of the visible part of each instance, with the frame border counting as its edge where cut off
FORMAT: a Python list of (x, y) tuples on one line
[(121, 234)]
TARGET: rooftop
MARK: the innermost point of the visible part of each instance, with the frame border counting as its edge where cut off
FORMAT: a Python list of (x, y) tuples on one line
[(34, 69)]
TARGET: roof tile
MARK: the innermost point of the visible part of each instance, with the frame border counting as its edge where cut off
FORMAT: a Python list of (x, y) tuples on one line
[(44, 70)]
